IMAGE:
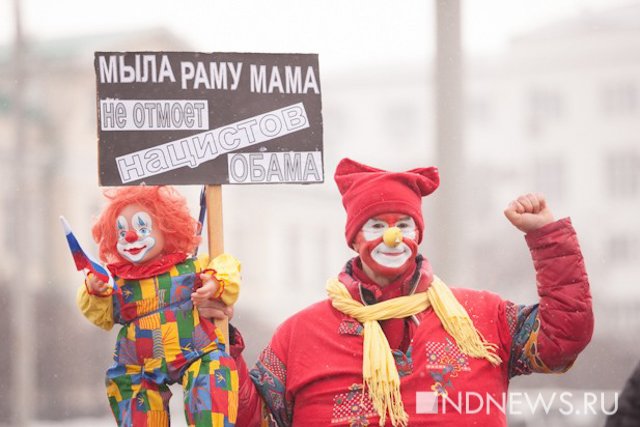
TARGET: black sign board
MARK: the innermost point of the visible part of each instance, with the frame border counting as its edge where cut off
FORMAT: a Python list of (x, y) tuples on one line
[(208, 118)]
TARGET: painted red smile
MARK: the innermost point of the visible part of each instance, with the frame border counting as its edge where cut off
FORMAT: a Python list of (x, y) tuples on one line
[(392, 253), (135, 251)]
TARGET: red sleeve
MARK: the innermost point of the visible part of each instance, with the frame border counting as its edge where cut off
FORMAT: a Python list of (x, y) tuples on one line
[(564, 313), (249, 402)]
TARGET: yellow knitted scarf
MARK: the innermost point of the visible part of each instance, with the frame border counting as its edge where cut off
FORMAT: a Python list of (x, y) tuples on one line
[(379, 371)]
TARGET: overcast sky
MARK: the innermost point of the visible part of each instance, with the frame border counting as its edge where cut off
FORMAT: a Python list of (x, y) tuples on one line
[(355, 31)]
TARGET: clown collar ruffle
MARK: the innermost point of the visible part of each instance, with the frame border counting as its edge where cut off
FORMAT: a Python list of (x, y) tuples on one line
[(154, 267)]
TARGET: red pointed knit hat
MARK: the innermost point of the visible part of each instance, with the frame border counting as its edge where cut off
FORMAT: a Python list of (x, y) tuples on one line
[(367, 192)]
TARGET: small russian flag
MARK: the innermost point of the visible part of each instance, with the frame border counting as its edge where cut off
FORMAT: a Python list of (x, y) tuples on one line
[(83, 260)]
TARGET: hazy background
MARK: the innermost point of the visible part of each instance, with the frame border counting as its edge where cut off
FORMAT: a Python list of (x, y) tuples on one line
[(550, 102)]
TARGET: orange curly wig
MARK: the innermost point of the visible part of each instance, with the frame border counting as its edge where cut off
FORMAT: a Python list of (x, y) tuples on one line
[(168, 210)]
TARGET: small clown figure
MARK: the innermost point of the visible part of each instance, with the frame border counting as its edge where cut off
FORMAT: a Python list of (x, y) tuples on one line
[(146, 237)]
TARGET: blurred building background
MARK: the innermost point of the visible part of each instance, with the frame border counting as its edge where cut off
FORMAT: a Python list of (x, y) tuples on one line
[(558, 112)]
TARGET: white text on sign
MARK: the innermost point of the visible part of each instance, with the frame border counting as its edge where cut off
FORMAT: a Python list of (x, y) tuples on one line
[(280, 167), (205, 146), (213, 75), (123, 114)]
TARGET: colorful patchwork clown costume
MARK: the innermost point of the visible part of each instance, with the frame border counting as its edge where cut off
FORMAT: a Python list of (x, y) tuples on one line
[(146, 236), (394, 345)]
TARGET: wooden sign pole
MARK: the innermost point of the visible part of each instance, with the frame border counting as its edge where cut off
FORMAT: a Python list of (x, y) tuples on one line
[(213, 194)]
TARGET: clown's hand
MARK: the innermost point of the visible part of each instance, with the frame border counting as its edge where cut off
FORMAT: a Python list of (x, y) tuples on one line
[(206, 299), (95, 285), (529, 212), (208, 290)]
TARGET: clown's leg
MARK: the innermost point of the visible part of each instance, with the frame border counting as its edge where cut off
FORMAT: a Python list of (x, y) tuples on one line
[(138, 402), (211, 391)]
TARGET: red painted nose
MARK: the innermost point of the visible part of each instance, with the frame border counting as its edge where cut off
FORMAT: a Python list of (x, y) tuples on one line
[(131, 236)]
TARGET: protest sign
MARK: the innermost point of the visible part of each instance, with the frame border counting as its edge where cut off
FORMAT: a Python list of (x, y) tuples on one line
[(208, 118)]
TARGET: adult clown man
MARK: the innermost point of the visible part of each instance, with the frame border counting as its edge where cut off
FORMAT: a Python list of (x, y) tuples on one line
[(393, 337)]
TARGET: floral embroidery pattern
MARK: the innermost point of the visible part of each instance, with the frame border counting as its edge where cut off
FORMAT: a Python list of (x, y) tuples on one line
[(353, 406), (350, 326), (444, 362), (270, 376), (404, 362)]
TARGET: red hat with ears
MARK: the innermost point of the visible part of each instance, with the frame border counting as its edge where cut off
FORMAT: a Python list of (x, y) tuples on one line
[(367, 192)]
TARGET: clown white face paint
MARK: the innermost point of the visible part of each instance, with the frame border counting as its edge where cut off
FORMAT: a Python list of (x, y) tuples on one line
[(374, 228), (138, 241), (393, 257)]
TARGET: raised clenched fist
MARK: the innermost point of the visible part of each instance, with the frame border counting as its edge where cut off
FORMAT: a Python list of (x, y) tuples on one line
[(529, 212)]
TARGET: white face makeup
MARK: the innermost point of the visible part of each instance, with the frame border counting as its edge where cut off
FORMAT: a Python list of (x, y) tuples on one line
[(389, 256), (387, 245), (135, 236), (374, 228)]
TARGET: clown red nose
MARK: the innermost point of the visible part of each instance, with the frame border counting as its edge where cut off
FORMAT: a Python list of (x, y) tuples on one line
[(131, 236), (367, 192)]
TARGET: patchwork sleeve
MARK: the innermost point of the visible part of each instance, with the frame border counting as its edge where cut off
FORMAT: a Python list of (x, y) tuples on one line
[(97, 309), (270, 378), (547, 337)]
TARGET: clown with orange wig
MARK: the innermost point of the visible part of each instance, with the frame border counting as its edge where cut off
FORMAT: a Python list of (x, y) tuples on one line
[(147, 238)]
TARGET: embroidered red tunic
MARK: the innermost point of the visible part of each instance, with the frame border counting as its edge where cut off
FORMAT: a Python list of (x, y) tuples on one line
[(311, 372)]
